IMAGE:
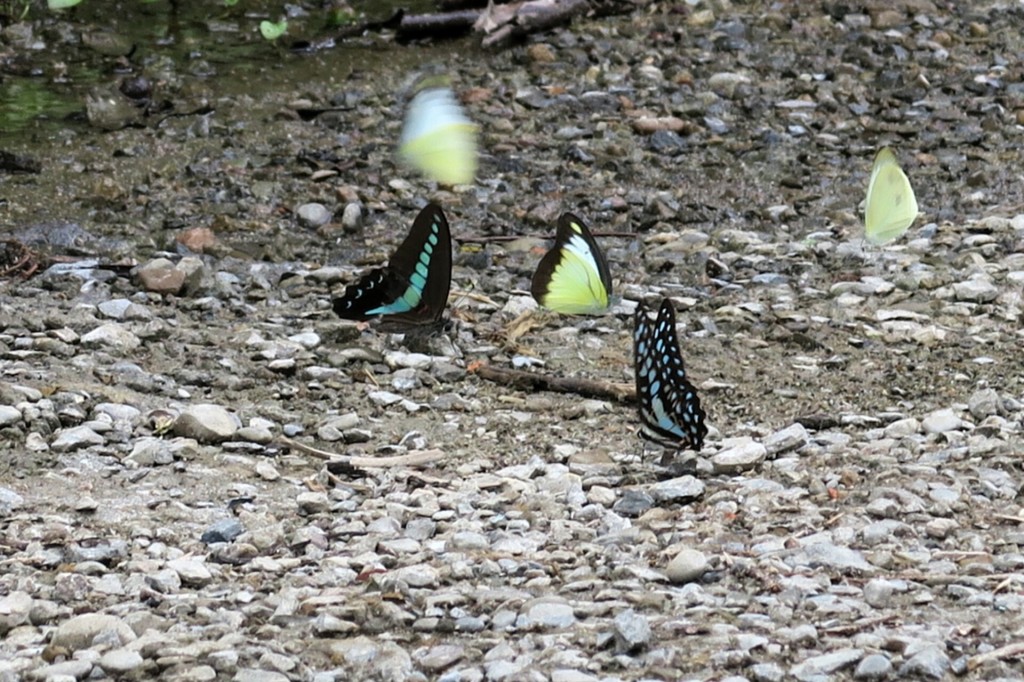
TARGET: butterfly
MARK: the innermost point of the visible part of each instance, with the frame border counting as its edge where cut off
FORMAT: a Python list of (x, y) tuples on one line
[(891, 206), (670, 411), (438, 139), (412, 289), (573, 277)]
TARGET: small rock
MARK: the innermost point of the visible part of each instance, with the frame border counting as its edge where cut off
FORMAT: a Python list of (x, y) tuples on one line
[(941, 421), (676, 490), (111, 336), (686, 566), (545, 613), (740, 458), (873, 667), (632, 632), (193, 269), (75, 438), (440, 657), (352, 218), (313, 215), (121, 661), (813, 668), (984, 403), (207, 423), (9, 415), (160, 276), (793, 437), (14, 611), (224, 530), (930, 662), (191, 571), (114, 308), (312, 503), (978, 289), (877, 593), (78, 632)]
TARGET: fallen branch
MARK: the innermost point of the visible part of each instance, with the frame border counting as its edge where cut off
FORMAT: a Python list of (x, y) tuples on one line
[(531, 381), (1008, 651), (529, 17), (447, 25), (416, 458)]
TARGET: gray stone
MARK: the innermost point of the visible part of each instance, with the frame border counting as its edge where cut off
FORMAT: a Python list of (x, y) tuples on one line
[(14, 610), (873, 667), (192, 572), (813, 668), (827, 554), (930, 662), (352, 217), (75, 438), (111, 336), (632, 632), (114, 308), (440, 657), (686, 566), (793, 437), (674, 490), (766, 672), (740, 458), (160, 276), (633, 503), (121, 661), (312, 503), (877, 593), (978, 289), (80, 631), (9, 501), (546, 613), (313, 215), (207, 423), (984, 403), (941, 421), (9, 415), (65, 670), (255, 675)]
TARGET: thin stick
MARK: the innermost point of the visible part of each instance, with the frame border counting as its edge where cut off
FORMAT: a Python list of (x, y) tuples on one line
[(531, 381), (416, 458), (1007, 651)]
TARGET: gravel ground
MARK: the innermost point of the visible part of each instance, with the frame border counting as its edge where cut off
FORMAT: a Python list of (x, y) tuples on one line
[(855, 513)]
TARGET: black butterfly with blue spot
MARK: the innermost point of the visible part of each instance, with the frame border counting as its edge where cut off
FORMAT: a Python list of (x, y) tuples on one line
[(412, 289), (670, 411)]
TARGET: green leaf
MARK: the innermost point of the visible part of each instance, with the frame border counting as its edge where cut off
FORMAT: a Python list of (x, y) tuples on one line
[(272, 31), (61, 4)]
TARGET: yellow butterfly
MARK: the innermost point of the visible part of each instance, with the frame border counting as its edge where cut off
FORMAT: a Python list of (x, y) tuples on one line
[(438, 139), (891, 206), (573, 277)]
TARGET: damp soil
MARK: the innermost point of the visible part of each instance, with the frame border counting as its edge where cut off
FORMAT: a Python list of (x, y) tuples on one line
[(742, 205)]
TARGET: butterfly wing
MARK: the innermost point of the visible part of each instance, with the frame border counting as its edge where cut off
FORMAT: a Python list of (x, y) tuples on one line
[(670, 410), (438, 139), (891, 206), (413, 287), (573, 277)]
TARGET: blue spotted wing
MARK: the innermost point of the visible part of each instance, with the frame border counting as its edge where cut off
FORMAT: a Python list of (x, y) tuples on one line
[(670, 410), (412, 289)]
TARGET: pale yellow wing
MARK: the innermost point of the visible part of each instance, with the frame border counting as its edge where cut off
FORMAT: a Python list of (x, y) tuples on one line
[(891, 206)]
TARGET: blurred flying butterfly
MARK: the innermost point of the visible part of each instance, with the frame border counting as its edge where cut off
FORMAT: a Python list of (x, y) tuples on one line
[(670, 411), (891, 206), (412, 289), (438, 139), (573, 277)]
